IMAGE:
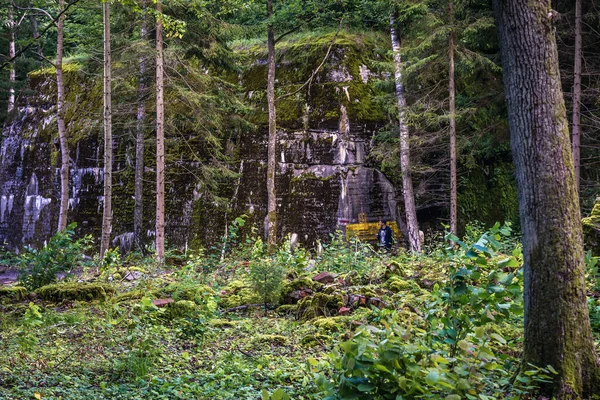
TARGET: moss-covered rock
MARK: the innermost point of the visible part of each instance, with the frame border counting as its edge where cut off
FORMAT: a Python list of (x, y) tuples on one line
[(293, 290), (238, 293), (315, 340), (272, 339), (222, 323), (135, 294), (321, 304), (181, 309), (397, 285), (13, 293), (75, 291), (186, 291), (591, 229), (330, 324)]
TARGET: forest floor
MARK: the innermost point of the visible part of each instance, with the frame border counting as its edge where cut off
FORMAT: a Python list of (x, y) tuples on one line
[(451, 319)]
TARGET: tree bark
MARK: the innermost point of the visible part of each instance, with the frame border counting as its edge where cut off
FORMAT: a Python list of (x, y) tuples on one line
[(60, 118), (160, 139), (34, 30), (108, 142), (452, 111), (412, 224), (138, 207), (577, 94), (12, 78), (557, 326), (271, 220)]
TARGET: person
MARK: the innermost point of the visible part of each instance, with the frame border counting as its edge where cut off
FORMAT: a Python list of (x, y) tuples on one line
[(384, 236)]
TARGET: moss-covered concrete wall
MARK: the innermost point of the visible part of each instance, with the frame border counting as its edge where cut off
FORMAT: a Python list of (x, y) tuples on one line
[(325, 176)]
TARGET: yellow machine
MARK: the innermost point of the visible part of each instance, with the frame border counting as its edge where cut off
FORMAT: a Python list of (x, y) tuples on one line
[(367, 231)]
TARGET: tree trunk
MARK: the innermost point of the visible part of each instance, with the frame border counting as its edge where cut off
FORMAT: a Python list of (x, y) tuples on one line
[(138, 207), (107, 209), (34, 30), (452, 111), (577, 93), (160, 139), (557, 325), (271, 220), (412, 224), (11, 55), (60, 117)]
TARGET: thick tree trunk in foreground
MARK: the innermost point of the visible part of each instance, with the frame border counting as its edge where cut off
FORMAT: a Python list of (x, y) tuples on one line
[(160, 139), (12, 78), (577, 93), (107, 209), (557, 326), (452, 111), (60, 118), (412, 224), (271, 220), (138, 207)]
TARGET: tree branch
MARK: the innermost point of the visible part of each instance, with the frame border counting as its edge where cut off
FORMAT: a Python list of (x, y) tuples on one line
[(46, 29), (316, 71)]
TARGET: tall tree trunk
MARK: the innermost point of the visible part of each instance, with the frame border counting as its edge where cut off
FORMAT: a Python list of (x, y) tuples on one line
[(34, 30), (11, 55), (108, 142), (557, 325), (577, 94), (412, 224), (452, 110), (138, 208), (271, 220), (60, 117), (160, 139)]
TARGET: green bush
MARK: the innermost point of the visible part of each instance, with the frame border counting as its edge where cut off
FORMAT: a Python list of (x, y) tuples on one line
[(75, 291), (61, 254), (266, 274), (460, 351)]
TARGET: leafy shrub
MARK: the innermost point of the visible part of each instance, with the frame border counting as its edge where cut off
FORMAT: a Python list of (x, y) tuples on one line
[(61, 254), (458, 351), (75, 291), (343, 256)]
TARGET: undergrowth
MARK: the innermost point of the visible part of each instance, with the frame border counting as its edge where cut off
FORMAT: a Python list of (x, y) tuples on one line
[(246, 324)]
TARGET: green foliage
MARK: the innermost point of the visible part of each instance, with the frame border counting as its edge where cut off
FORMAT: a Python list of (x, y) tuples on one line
[(266, 274), (459, 350), (61, 255), (340, 255)]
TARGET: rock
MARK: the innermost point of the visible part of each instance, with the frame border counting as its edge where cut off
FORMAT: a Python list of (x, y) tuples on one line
[(162, 302), (310, 266), (324, 277), (299, 294), (374, 301), (132, 276), (357, 300), (344, 311)]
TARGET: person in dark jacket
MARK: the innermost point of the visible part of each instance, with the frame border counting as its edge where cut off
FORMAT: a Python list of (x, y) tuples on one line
[(384, 236)]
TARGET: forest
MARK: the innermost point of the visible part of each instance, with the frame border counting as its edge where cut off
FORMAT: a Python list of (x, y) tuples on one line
[(299, 199)]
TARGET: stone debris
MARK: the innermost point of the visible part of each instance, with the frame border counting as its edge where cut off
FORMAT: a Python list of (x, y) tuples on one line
[(324, 277)]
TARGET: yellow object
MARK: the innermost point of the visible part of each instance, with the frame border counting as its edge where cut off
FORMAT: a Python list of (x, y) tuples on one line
[(367, 231)]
